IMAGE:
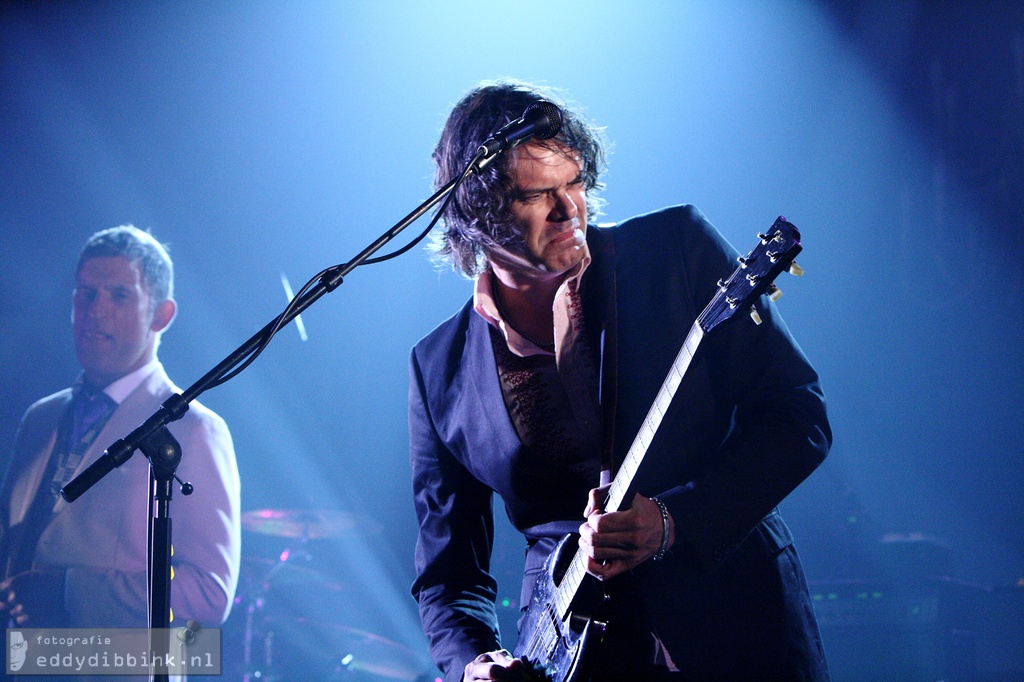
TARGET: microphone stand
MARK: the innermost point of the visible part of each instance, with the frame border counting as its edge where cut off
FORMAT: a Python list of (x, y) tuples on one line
[(164, 453)]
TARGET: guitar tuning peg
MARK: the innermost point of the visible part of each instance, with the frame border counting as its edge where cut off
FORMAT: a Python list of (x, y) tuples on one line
[(795, 269), (754, 316), (774, 292)]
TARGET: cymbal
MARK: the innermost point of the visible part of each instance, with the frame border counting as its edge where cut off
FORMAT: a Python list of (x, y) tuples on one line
[(344, 649), (257, 570), (306, 524)]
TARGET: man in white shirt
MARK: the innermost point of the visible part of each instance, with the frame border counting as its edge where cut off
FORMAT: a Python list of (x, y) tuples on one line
[(84, 564)]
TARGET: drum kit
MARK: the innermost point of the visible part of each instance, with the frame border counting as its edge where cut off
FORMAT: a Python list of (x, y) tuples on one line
[(286, 621)]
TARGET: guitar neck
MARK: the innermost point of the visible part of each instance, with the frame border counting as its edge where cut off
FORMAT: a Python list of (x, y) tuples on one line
[(548, 640), (620, 493)]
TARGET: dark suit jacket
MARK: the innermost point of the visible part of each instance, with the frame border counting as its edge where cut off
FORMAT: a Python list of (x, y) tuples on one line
[(747, 426)]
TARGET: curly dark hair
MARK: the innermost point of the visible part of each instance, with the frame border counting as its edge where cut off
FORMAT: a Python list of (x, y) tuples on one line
[(478, 217)]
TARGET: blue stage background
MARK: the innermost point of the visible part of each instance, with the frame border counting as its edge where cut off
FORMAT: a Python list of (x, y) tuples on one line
[(267, 138)]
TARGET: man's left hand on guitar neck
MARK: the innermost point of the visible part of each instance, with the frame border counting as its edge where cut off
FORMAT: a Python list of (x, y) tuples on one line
[(617, 542)]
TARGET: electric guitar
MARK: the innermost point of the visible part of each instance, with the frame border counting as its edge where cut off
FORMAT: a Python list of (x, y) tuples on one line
[(556, 636)]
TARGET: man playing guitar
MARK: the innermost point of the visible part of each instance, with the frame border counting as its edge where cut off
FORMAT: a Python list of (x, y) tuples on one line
[(539, 383)]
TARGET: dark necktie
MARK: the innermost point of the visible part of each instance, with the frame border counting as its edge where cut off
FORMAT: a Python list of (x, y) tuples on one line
[(90, 410)]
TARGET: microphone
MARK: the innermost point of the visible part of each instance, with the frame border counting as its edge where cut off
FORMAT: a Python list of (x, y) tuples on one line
[(542, 120)]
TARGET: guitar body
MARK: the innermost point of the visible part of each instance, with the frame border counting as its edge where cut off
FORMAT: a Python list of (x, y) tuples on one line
[(556, 648)]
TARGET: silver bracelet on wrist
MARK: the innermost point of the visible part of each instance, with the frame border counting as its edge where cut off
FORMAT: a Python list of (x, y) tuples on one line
[(663, 550)]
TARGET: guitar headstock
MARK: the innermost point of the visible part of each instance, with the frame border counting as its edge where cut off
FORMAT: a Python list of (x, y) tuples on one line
[(755, 275)]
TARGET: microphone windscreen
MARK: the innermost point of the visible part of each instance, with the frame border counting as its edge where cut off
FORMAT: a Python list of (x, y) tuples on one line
[(552, 113)]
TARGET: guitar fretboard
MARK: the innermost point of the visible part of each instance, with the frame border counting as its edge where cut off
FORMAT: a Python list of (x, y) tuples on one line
[(620, 486)]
